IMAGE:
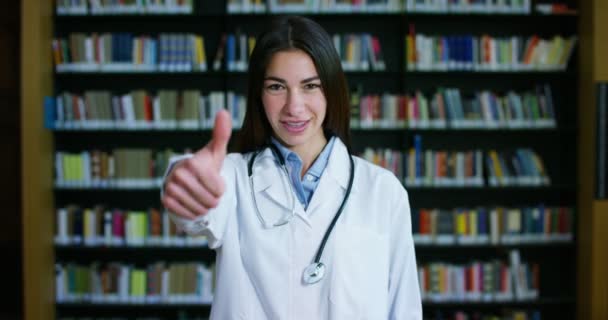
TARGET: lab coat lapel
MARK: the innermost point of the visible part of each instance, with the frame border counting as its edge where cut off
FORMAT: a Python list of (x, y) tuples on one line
[(270, 183), (334, 180)]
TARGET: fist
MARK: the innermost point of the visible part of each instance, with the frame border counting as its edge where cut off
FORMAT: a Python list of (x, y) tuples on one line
[(195, 185)]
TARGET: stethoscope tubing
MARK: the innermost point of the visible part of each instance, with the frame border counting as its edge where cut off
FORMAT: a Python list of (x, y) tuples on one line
[(281, 159)]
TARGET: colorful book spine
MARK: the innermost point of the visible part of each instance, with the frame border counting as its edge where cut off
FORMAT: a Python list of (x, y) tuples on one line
[(104, 227), (493, 226), (487, 53), (116, 283)]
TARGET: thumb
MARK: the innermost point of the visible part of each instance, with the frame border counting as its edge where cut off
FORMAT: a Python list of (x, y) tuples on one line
[(222, 129)]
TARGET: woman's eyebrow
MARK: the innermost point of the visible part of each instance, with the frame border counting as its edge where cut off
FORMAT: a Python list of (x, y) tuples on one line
[(275, 79), (271, 78), (310, 79)]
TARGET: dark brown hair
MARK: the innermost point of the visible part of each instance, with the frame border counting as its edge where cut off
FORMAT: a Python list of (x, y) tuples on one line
[(289, 33)]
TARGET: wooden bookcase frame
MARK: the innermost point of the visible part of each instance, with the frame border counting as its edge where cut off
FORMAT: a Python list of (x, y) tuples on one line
[(37, 159)]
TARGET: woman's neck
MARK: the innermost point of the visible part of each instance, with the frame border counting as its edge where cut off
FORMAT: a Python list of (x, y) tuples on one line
[(309, 152)]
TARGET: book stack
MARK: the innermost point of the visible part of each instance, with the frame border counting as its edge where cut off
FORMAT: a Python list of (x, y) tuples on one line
[(334, 6), (480, 281), (359, 52), (114, 7), (487, 53), (103, 227), (469, 6), (117, 283), (519, 167), (447, 108), (478, 315), (127, 52), (493, 226), (119, 168), (141, 110), (245, 6)]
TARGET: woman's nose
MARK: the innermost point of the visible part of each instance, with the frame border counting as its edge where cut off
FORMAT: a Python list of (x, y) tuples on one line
[(295, 103)]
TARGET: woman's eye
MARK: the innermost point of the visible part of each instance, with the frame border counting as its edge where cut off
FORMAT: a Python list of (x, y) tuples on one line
[(311, 86), (274, 87)]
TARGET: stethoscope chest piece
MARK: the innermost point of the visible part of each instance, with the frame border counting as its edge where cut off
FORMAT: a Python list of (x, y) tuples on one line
[(314, 273)]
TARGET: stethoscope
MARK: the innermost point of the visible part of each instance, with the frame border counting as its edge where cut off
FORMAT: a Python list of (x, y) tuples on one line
[(314, 272)]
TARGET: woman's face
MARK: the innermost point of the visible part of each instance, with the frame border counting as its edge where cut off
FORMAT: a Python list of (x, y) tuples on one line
[(294, 101)]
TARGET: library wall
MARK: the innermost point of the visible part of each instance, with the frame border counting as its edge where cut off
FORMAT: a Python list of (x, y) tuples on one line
[(556, 146), (10, 235)]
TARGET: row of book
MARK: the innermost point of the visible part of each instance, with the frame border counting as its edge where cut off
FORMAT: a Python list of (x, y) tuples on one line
[(130, 7), (120, 168), (438, 315), (185, 52), (492, 226), (139, 109), (106, 7), (480, 281), (478, 315), (436, 168), (380, 6), (180, 315), (101, 226), (143, 168), (189, 109), (126, 52), (468, 6), (360, 52), (238, 48), (156, 283), (447, 108), (487, 53)]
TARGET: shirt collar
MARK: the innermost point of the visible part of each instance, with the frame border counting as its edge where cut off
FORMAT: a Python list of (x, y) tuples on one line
[(320, 163)]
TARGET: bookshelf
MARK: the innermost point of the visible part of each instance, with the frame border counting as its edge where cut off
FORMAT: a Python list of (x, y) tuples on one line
[(557, 146)]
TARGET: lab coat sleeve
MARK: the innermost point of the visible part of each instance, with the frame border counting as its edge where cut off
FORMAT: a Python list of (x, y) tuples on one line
[(213, 224), (404, 290)]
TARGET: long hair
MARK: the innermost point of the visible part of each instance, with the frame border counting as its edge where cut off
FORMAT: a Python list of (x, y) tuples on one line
[(289, 33)]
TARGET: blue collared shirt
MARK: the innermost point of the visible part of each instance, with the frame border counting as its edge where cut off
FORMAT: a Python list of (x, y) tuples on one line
[(305, 187)]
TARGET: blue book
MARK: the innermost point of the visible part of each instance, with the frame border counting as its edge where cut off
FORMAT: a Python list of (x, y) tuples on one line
[(129, 48), (541, 219), (418, 148), (230, 52), (49, 112)]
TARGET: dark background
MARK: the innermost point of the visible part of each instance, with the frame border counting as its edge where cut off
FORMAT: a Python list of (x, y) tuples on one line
[(11, 295)]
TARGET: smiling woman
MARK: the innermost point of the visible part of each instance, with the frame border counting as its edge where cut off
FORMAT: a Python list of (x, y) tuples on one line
[(302, 228), (295, 104)]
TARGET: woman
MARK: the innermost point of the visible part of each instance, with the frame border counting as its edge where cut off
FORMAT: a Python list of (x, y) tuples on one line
[(329, 237)]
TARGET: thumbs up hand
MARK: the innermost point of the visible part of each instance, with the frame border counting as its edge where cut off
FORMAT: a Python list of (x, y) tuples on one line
[(195, 185)]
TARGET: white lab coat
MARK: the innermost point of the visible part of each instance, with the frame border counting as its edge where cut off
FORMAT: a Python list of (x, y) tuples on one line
[(371, 267)]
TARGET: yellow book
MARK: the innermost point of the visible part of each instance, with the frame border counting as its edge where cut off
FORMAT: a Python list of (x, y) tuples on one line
[(473, 223), (86, 230), (409, 47), (557, 47), (199, 51), (251, 41), (461, 223), (412, 165), (350, 51), (79, 167), (496, 165)]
